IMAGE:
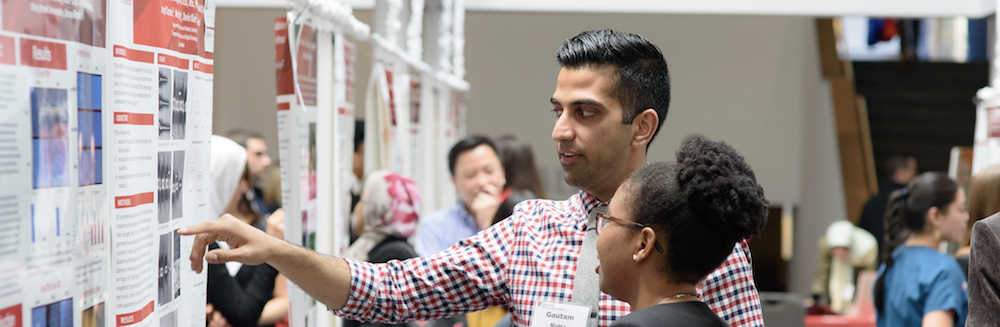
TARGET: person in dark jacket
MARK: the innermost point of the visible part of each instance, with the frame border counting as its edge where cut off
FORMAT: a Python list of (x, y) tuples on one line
[(899, 170), (984, 278)]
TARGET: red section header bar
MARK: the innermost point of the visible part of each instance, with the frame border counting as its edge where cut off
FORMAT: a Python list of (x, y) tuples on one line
[(133, 55), (11, 316), (43, 54), (131, 118), (284, 106), (135, 317), (202, 67), (7, 50), (172, 61), (133, 200)]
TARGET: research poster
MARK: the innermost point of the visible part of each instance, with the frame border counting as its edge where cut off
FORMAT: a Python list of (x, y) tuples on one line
[(297, 82), (343, 139), (160, 89), (388, 120), (315, 136), (52, 53), (105, 113)]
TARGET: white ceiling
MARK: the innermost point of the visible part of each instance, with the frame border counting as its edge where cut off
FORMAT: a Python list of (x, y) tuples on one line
[(830, 8)]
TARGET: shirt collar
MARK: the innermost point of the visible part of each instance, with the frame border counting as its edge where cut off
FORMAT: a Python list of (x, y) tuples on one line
[(590, 202), (464, 214)]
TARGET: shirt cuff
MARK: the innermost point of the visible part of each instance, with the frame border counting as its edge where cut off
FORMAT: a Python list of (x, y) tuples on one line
[(361, 288)]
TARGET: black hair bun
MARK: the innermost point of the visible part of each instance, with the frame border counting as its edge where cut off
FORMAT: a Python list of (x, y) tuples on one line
[(720, 188)]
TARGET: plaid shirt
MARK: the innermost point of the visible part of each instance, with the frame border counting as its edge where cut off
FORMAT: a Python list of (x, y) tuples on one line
[(525, 259)]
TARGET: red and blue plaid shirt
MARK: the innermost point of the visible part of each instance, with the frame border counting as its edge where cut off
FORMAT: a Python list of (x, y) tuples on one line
[(523, 260)]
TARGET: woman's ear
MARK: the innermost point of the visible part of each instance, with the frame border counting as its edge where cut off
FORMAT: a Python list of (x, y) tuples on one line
[(935, 217), (646, 244)]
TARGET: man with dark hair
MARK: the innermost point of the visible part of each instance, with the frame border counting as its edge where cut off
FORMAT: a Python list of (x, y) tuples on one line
[(257, 162), (897, 171), (607, 112), (478, 176)]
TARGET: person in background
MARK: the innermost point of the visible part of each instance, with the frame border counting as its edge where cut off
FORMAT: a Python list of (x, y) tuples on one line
[(479, 179), (917, 285), (844, 252), (358, 161), (521, 173), (354, 179), (611, 97), (670, 225), (984, 277), (899, 170), (389, 207), (984, 201), (523, 183), (272, 185), (257, 163), (241, 295)]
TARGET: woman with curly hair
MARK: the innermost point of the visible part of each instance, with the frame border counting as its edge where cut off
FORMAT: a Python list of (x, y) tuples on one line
[(670, 225), (917, 285)]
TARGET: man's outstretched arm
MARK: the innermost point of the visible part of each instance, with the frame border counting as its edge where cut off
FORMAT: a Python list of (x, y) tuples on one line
[(325, 278)]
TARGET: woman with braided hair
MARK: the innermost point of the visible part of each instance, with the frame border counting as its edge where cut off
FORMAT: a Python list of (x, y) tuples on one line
[(917, 285), (670, 225)]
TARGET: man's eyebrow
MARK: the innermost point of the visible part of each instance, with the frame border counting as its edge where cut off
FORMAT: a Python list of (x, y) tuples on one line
[(580, 102)]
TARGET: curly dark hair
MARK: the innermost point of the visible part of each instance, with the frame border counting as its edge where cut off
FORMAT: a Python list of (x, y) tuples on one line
[(703, 204)]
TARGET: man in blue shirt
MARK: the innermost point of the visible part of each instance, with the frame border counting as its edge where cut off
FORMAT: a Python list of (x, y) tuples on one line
[(478, 176)]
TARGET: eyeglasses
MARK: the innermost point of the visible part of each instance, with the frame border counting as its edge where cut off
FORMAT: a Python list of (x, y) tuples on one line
[(603, 219)]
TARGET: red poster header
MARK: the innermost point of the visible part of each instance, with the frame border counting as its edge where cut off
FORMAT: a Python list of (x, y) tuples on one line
[(81, 21), (43, 54), (202, 67), (283, 58), (7, 50), (172, 61), (133, 55), (133, 201), (10, 316), (131, 118), (135, 317), (170, 24)]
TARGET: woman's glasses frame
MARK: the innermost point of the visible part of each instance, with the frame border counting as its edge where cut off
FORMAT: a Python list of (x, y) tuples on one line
[(604, 218)]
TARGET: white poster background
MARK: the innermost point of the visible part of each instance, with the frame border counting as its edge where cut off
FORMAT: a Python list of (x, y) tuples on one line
[(15, 175)]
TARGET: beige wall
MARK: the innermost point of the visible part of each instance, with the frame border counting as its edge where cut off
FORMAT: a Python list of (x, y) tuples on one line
[(244, 71), (751, 81)]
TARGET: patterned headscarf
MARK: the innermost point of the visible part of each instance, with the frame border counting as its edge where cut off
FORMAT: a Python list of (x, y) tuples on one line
[(391, 206)]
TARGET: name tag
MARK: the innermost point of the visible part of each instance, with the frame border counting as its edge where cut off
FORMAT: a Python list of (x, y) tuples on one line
[(547, 314)]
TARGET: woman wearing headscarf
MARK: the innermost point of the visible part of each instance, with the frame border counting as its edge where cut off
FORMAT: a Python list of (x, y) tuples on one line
[(236, 292), (388, 210)]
